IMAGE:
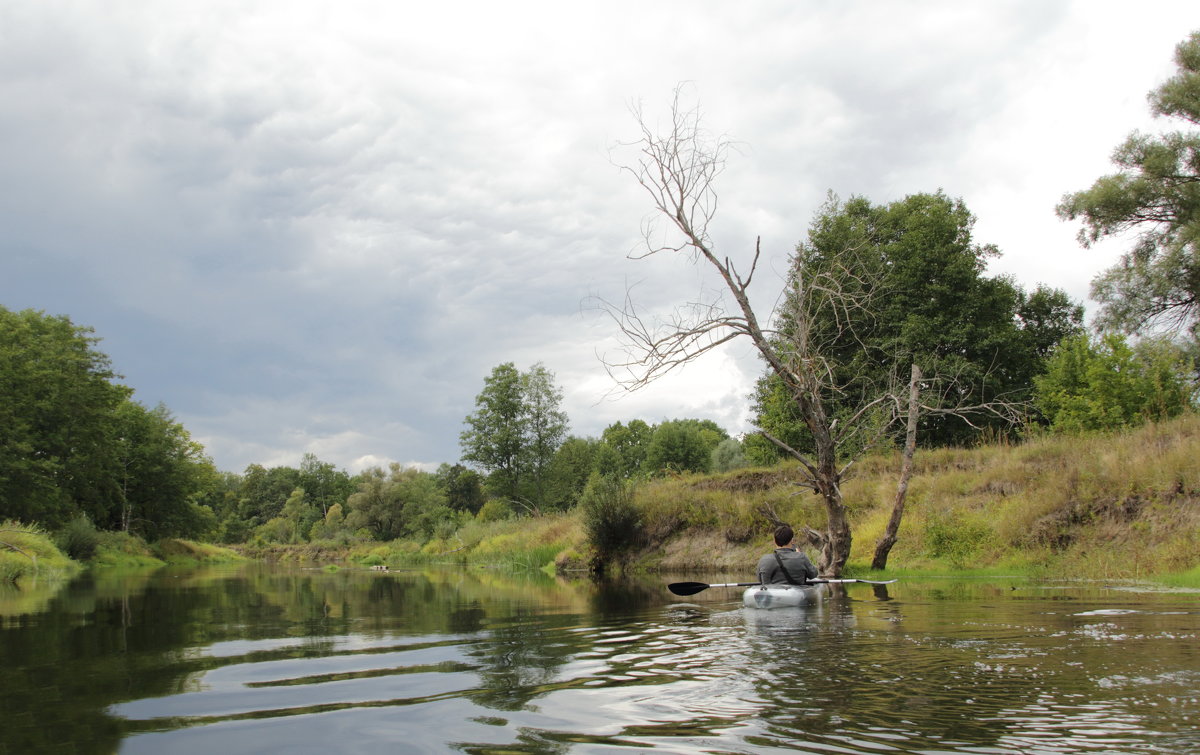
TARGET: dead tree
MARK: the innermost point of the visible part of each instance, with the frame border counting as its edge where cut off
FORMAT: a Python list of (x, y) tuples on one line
[(678, 169), (883, 546), (815, 320)]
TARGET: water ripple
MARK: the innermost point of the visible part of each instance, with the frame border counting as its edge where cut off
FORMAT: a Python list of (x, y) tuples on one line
[(841, 678)]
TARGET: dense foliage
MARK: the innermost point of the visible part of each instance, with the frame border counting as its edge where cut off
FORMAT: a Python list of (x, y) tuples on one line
[(73, 442), (910, 285), (1157, 194), (1106, 384)]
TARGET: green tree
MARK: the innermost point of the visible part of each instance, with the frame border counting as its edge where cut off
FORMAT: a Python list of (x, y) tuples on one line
[(914, 277), (1107, 384), (495, 434), (569, 472), (402, 502), (1156, 192), (545, 429), (607, 462), (163, 476), (263, 492), (728, 456), (333, 526), (299, 515), (515, 431), (1046, 318), (629, 442), (324, 485), (56, 420), (462, 487), (682, 445)]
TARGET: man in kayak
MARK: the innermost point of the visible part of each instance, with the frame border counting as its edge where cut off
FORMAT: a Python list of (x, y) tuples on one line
[(787, 565)]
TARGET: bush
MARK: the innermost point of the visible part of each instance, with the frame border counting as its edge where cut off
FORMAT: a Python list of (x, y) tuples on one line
[(78, 539), (728, 456), (611, 520), (494, 510)]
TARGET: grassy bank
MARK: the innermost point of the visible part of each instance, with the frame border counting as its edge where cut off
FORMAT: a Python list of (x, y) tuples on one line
[(1113, 506), (27, 552), (1119, 506), (555, 542)]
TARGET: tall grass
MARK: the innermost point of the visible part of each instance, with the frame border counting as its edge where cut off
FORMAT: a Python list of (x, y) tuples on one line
[(188, 552), (26, 551), (513, 544), (1110, 505)]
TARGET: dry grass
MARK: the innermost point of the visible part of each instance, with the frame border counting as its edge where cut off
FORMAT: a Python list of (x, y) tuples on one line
[(1113, 505)]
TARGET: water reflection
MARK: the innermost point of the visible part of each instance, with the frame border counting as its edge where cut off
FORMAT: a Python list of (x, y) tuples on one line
[(259, 658)]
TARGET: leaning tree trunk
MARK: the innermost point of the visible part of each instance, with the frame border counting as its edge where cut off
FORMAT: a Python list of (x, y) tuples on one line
[(883, 546)]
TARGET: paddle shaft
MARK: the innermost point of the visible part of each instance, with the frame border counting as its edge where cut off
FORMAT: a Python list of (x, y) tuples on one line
[(691, 588)]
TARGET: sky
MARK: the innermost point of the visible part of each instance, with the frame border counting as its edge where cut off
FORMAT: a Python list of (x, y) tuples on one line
[(316, 227)]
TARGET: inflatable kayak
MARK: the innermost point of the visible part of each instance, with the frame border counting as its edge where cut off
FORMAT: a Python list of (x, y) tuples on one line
[(783, 596)]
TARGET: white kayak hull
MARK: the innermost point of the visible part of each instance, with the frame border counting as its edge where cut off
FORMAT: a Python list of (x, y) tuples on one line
[(783, 596)]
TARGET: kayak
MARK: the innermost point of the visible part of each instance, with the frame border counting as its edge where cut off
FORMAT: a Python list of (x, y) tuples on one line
[(783, 596)]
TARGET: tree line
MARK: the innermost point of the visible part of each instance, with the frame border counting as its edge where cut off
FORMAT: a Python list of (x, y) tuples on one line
[(74, 444), (888, 333)]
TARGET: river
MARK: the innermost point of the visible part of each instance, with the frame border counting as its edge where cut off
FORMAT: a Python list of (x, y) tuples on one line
[(260, 658)]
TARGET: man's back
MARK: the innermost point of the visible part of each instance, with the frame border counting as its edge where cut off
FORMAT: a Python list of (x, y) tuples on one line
[(798, 566)]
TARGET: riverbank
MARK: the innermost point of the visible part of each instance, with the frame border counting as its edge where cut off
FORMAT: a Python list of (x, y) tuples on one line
[(1118, 506), (27, 552)]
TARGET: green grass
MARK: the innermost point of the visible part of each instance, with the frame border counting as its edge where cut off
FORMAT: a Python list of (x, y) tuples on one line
[(27, 552), (1188, 579), (187, 552), (123, 550)]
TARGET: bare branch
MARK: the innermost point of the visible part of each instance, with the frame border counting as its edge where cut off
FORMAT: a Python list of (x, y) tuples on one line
[(804, 461)]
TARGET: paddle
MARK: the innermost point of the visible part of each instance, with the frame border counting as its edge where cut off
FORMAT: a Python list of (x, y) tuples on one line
[(691, 588)]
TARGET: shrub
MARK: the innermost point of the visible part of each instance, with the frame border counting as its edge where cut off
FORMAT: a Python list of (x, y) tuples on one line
[(78, 539), (727, 456), (611, 520), (494, 510)]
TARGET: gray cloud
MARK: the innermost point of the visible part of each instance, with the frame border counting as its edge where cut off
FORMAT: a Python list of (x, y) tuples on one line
[(316, 229)]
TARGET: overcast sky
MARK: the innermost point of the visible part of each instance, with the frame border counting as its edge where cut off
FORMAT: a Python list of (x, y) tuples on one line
[(317, 227)]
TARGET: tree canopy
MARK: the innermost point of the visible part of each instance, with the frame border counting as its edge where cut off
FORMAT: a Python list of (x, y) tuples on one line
[(74, 442), (1156, 193), (514, 432), (915, 278), (1106, 384)]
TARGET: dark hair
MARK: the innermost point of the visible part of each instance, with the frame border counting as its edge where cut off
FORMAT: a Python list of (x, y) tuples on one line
[(783, 535)]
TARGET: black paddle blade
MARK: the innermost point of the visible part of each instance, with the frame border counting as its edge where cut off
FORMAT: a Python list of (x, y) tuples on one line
[(687, 588)]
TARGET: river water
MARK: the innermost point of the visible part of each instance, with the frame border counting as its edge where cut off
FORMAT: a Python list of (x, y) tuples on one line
[(257, 658)]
